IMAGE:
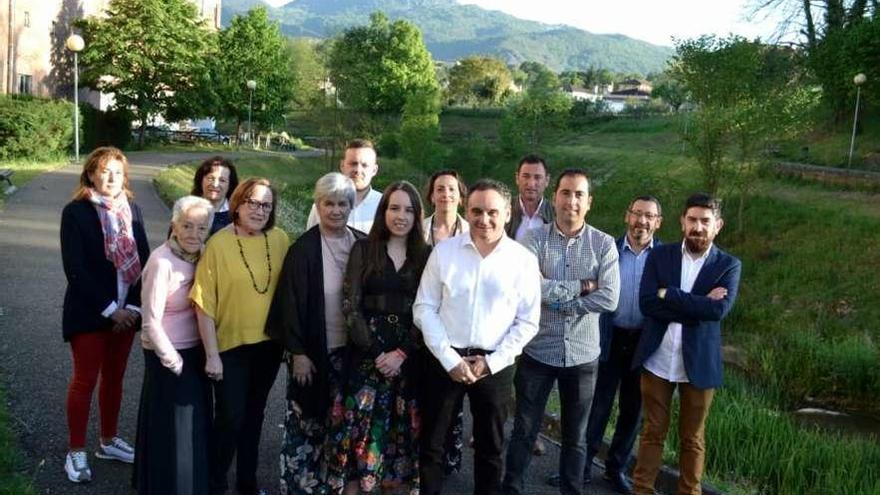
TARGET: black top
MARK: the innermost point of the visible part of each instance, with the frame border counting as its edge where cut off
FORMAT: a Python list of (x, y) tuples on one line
[(91, 277), (221, 219), (390, 293), (296, 318)]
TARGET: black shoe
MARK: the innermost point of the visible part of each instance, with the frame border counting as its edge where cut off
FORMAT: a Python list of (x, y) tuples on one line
[(556, 481), (618, 482)]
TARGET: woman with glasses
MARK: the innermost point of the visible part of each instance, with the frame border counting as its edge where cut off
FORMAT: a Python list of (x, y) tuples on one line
[(234, 285), (307, 319), (103, 247), (373, 441)]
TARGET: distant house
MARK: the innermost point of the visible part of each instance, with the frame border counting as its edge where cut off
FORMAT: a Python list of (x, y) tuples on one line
[(641, 85), (631, 92), (581, 93)]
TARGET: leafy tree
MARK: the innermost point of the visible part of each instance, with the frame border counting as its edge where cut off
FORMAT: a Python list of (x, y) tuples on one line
[(420, 128), (531, 119), (145, 52), (670, 90), (252, 48), (836, 42), (375, 67), (484, 79), (307, 71), (539, 79)]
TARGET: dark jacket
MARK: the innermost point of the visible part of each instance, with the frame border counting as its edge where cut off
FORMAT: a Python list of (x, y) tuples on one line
[(606, 320), (516, 214), (700, 317), (296, 319), (91, 277)]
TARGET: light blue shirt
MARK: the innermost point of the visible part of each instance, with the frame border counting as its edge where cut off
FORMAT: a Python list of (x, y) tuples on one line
[(628, 314)]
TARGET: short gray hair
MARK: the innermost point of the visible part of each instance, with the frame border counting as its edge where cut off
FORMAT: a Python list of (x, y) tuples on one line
[(186, 203), (334, 185)]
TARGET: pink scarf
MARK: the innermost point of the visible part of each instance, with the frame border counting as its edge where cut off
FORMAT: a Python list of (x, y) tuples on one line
[(119, 244)]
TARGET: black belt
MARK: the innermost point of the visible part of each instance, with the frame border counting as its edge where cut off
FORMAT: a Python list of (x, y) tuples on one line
[(393, 318), (471, 351)]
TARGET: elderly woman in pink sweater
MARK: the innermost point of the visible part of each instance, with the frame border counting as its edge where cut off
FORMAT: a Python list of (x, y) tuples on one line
[(174, 416)]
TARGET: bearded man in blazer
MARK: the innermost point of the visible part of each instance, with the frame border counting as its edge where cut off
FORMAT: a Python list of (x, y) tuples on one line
[(686, 290)]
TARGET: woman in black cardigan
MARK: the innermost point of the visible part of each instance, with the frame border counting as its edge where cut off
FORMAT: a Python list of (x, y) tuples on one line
[(103, 248), (306, 318)]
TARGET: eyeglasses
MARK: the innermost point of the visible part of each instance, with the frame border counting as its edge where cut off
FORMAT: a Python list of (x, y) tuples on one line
[(255, 205), (649, 216)]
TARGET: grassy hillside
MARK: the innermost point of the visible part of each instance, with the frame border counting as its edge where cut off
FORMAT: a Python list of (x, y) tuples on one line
[(453, 31)]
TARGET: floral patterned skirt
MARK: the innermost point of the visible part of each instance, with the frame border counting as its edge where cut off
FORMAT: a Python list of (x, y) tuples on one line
[(303, 471), (374, 430)]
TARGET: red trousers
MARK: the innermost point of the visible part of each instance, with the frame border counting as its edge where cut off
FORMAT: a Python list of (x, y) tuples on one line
[(104, 354)]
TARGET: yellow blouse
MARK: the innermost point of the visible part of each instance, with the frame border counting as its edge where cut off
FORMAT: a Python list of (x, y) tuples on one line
[(224, 289)]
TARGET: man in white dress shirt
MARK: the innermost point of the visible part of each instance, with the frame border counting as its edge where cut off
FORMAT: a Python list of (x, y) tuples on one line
[(361, 165), (478, 305)]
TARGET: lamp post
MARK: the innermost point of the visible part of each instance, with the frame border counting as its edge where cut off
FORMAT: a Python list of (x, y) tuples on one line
[(251, 85), (858, 81), (75, 44)]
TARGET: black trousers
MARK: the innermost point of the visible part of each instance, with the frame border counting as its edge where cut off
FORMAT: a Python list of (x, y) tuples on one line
[(490, 401), (616, 373), (249, 372)]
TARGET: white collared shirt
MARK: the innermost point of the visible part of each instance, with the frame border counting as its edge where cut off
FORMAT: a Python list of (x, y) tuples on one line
[(468, 301), (361, 216), (529, 222), (224, 206), (667, 362)]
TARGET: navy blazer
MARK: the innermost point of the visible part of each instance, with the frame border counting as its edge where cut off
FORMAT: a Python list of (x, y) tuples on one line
[(91, 277), (700, 317), (606, 320)]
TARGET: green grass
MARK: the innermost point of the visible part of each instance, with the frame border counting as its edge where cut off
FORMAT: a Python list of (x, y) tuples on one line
[(809, 298), (829, 144), (12, 482)]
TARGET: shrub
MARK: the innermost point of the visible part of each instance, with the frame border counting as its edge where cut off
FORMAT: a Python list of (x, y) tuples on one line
[(34, 128), (110, 128)]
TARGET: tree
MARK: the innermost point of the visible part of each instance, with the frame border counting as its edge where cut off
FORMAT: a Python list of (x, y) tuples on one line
[(145, 52), (749, 95), (252, 48), (375, 67), (835, 42), (668, 88), (539, 79), (420, 128), (307, 71), (531, 119), (479, 79)]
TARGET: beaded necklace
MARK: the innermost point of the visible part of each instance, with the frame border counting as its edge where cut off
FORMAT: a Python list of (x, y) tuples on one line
[(246, 265)]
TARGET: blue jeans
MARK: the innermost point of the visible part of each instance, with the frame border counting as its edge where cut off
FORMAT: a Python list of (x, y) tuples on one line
[(616, 373), (533, 382)]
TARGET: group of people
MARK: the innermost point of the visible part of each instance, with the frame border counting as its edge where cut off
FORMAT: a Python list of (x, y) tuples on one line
[(386, 319)]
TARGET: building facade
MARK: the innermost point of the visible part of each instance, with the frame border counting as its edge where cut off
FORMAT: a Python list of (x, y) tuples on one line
[(33, 59)]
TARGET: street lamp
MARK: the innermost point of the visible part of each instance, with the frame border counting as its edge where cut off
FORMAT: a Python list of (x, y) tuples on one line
[(75, 44), (251, 85), (858, 81)]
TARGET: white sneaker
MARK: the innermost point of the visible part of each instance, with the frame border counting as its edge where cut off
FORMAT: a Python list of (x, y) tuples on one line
[(118, 450), (77, 467)]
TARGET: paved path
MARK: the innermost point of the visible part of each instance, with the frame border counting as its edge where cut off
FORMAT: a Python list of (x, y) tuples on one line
[(35, 363)]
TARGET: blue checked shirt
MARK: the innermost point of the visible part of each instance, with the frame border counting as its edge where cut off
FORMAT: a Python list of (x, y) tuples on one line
[(568, 333)]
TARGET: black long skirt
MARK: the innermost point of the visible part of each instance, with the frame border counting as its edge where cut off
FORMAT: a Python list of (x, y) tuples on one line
[(174, 423)]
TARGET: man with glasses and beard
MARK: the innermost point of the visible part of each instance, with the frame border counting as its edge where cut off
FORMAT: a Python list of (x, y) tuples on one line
[(686, 290)]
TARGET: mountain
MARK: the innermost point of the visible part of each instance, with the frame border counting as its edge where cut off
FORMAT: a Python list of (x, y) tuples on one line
[(452, 31)]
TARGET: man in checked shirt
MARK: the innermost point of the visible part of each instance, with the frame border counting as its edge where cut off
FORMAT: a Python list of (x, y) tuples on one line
[(580, 280)]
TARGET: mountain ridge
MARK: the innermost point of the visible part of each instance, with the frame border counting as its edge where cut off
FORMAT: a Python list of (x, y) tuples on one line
[(453, 31)]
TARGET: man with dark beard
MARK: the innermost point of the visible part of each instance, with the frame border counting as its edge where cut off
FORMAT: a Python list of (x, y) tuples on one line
[(686, 290)]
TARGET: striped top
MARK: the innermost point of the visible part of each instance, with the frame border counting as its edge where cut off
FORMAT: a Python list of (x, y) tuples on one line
[(569, 328)]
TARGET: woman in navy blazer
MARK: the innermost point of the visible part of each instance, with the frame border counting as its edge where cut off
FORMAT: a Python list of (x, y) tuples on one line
[(103, 248)]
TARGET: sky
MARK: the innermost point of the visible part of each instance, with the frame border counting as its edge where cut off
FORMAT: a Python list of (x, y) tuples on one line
[(655, 21)]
